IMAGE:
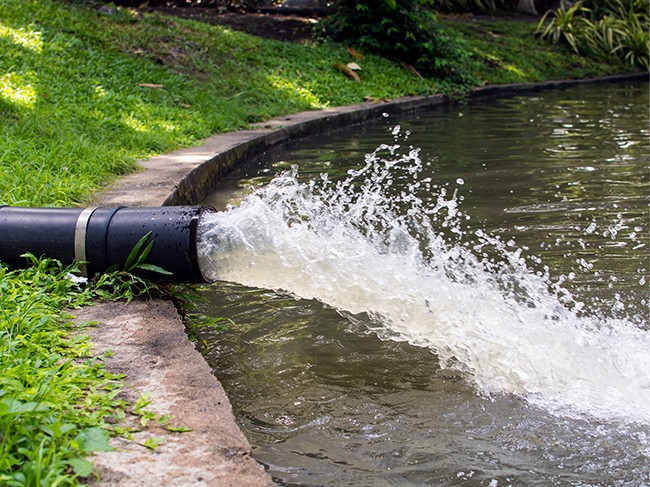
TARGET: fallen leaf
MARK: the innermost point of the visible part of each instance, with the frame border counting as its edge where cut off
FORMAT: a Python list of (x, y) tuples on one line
[(355, 54), (347, 71), (412, 70), (354, 66), (150, 85), (372, 99), (186, 105)]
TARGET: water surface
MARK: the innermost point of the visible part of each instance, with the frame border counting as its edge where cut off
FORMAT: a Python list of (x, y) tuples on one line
[(455, 298)]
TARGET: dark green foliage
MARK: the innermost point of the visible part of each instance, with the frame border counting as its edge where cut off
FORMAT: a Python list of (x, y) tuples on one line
[(600, 8), (403, 30)]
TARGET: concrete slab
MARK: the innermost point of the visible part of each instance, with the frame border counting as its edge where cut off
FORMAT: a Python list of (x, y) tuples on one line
[(150, 348)]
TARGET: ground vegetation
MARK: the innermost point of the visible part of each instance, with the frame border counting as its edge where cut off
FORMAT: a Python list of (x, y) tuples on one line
[(58, 402), (405, 31), (56, 399)]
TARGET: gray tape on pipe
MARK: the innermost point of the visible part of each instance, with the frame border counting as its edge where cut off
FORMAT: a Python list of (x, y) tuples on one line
[(80, 237)]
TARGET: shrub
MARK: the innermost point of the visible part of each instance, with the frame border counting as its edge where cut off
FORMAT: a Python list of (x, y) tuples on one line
[(404, 31)]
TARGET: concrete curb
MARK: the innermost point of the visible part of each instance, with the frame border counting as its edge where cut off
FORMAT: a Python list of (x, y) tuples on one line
[(187, 176)]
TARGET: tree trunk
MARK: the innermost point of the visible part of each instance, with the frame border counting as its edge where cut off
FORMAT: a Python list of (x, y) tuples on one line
[(527, 7)]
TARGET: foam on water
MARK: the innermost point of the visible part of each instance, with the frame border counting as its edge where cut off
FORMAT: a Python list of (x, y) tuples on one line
[(391, 244)]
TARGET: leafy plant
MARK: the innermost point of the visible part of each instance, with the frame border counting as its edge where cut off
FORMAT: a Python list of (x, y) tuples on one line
[(58, 403), (153, 443), (54, 401), (126, 283), (635, 44), (612, 28), (563, 24)]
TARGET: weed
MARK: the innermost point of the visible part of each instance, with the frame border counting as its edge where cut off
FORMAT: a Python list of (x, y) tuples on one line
[(153, 443), (125, 283), (58, 403)]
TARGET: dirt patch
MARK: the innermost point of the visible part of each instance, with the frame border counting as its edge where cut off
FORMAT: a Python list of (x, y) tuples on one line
[(298, 24), (269, 25)]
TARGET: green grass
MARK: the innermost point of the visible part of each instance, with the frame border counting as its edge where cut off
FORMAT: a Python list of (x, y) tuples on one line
[(74, 112), (58, 403), (54, 399), (508, 51), (77, 109)]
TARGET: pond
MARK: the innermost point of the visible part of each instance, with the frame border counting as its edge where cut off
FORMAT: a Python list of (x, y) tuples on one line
[(456, 297)]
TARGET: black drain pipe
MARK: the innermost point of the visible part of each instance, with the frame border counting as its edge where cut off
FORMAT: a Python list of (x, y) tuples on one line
[(102, 237)]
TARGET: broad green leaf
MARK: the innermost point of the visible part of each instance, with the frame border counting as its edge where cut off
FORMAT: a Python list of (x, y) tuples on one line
[(154, 268), (94, 439), (81, 467), (153, 443)]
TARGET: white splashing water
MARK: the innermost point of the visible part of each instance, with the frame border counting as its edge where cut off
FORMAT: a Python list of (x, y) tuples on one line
[(402, 257)]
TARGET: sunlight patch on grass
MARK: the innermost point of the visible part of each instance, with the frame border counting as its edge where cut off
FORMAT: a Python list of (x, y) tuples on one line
[(134, 123), (14, 88), (100, 92), (504, 65), (28, 39), (511, 68), (295, 90)]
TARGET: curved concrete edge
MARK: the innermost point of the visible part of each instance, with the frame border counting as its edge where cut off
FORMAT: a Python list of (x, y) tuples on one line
[(187, 176), (148, 339), (493, 91)]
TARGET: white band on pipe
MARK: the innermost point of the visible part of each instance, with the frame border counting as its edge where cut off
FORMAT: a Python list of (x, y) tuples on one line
[(80, 237)]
